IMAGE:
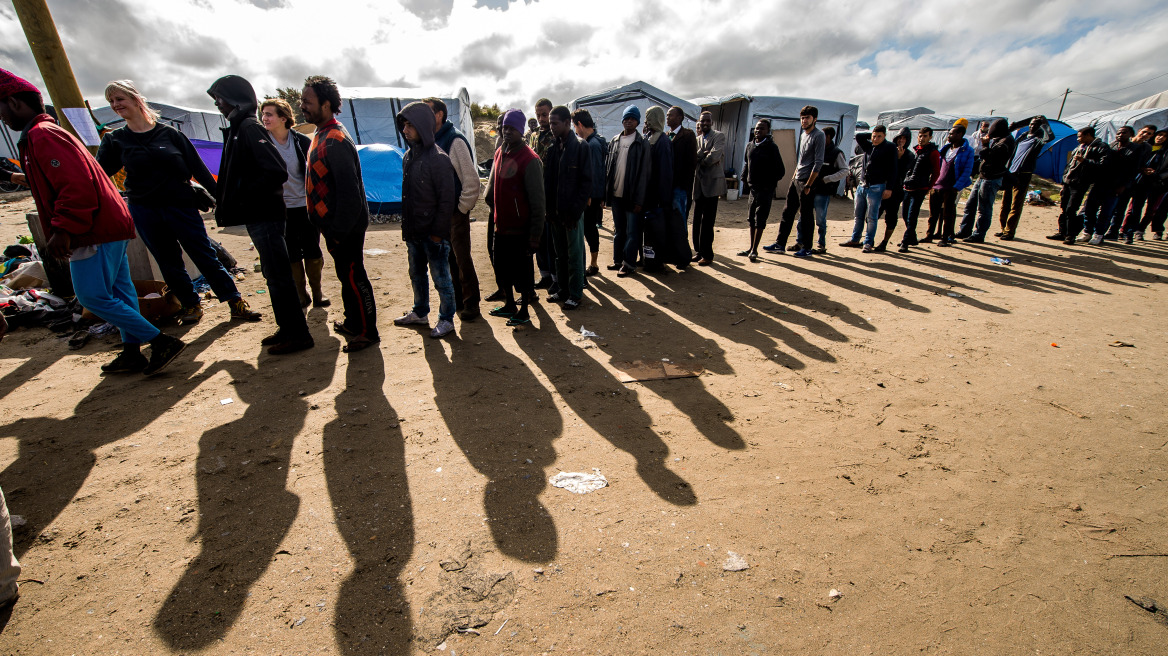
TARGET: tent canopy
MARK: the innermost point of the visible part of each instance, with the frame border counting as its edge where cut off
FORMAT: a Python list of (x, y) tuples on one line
[(369, 113), (890, 116), (205, 125), (607, 106), (1107, 122), (736, 115), (381, 171), (1151, 102), (938, 122)]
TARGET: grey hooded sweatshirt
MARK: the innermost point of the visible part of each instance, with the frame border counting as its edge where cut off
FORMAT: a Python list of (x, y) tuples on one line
[(429, 191)]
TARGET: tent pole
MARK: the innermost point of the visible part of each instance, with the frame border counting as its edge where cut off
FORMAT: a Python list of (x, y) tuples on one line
[(50, 58), (1065, 94)]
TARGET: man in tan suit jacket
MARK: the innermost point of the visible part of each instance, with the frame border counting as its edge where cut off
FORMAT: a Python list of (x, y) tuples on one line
[(709, 184)]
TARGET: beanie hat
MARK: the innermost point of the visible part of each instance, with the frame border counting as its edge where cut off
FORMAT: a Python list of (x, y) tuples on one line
[(11, 84), (515, 119), (961, 123), (632, 111)]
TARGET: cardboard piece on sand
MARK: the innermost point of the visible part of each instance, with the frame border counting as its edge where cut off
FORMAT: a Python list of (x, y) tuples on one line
[(642, 370)]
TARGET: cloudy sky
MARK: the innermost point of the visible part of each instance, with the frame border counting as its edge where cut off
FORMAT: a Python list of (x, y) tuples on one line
[(1014, 57)]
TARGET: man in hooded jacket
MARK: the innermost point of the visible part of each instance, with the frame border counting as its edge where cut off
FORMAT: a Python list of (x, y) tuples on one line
[(627, 182), (997, 149), (890, 207), (429, 200), (762, 169), (659, 193), (462, 269), (251, 193)]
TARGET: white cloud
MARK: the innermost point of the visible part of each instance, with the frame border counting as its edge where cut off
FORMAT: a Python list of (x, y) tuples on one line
[(948, 55)]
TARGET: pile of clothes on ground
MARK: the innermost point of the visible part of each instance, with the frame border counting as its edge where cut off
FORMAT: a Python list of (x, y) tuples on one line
[(27, 301)]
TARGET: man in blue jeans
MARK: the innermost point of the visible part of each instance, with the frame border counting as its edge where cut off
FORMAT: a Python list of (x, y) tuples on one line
[(429, 198), (834, 169), (878, 168), (996, 152)]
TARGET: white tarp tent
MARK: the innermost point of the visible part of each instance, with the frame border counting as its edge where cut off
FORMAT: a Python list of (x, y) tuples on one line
[(889, 116), (607, 106), (1108, 121), (938, 122), (1151, 102), (737, 114), (202, 124), (369, 113)]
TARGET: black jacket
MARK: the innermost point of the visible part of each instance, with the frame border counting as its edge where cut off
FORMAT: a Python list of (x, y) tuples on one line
[(429, 190), (1126, 163), (920, 175), (831, 153), (764, 167), (995, 157), (251, 172), (1081, 174), (685, 159), (1157, 161), (659, 192), (159, 165), (567, 179), (879, 162), (904, 163), (636, 171)]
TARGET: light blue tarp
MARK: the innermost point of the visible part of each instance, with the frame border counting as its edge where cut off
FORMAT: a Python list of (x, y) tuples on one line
[(381, 171), (1053, 158)]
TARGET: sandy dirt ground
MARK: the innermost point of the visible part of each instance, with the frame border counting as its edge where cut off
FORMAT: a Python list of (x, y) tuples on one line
[(901, 429)]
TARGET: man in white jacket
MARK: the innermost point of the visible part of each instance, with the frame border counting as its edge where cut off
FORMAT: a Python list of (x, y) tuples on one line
[(462, 270)]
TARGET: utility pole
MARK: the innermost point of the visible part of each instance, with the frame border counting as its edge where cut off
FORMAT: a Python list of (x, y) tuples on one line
[(41, 32), (1065, 94)]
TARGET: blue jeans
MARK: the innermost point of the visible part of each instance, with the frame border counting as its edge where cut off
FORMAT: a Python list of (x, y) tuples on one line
[(820, 204), (102, 283), (425, 253), (268, 238), (868, 199), (681, 205), (626, 238), (981, 203), (164, 230)]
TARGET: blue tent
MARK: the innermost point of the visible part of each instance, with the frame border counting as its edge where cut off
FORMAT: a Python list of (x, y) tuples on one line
[(1053, 158), (381, 171)]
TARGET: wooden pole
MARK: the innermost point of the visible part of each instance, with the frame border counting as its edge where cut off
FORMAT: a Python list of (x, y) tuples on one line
[(41, 32), (1065, 94)]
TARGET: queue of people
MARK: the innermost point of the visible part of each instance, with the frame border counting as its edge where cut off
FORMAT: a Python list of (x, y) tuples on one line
[(551, 178)]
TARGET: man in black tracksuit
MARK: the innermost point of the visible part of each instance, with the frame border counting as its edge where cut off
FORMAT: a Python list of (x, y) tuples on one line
[(762, 171), (567, 180), (250, 192)]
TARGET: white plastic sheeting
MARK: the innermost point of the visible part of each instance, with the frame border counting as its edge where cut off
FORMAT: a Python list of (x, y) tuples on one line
[(1108, 122), (202, 124), (608, 105), (369, 113), (1151, 102), (737, 114), (893, 115)]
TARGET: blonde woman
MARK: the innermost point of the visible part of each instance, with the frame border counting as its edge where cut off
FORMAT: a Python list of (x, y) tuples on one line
[(302, 237), (159, 162)]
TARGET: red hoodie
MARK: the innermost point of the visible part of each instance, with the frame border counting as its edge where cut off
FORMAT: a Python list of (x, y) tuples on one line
[(71, 191)]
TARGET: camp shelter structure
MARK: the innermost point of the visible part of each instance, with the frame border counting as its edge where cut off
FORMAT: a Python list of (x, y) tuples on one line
[(381, 172), (1151, 102), (370, 113), (1108, 121), (200, 124), (737, 114), (893, 115), (608, 106)]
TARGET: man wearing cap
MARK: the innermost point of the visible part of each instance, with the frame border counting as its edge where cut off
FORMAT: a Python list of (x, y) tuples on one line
[(627, 177), (86, 222), (515, 194), (709, 184)]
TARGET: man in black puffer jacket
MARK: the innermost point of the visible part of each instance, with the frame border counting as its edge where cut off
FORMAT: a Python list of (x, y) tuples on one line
[(250, 192), (997, 149), (926, 166), (429, 198)]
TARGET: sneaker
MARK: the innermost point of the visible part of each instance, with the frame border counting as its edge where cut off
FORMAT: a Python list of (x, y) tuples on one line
[(705, 262), (613, 267), (1096, 240), (544, 283), (851, 243), (190, 315), (745, 253), (626, 271), (163, 350), (795, 247), (945, 242), (819, 251), (1058, 236), (1069, 241), (1129, 239), (291, 346), (754, 257), (241, 311), (571, 304), (411, 319), (867, 248), (1139, 235), (773, 247), (592, 271), (903, 248), (803, 253), (443, 329), (974, 239), (127, 362), (1007, 237), (1158, 236), (1085, 238), (879, 248), (558, 297)]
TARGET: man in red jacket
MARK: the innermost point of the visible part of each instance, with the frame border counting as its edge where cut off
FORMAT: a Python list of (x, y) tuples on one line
[(86, 221)]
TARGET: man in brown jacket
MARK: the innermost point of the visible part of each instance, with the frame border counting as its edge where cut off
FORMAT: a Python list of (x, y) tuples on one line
[(710, 183)]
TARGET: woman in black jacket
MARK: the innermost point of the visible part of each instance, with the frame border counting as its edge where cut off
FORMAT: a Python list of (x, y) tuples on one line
[(302, 237), (160, 162)]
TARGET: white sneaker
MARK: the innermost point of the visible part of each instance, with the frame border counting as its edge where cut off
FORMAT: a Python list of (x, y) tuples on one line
[(1140, 235), (1085, 238), (411, 319), (1096, 240), (443, 329), (1158, 236)]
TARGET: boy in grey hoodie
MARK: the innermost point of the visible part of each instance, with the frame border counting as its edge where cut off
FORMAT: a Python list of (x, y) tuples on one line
[(429, 198)]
